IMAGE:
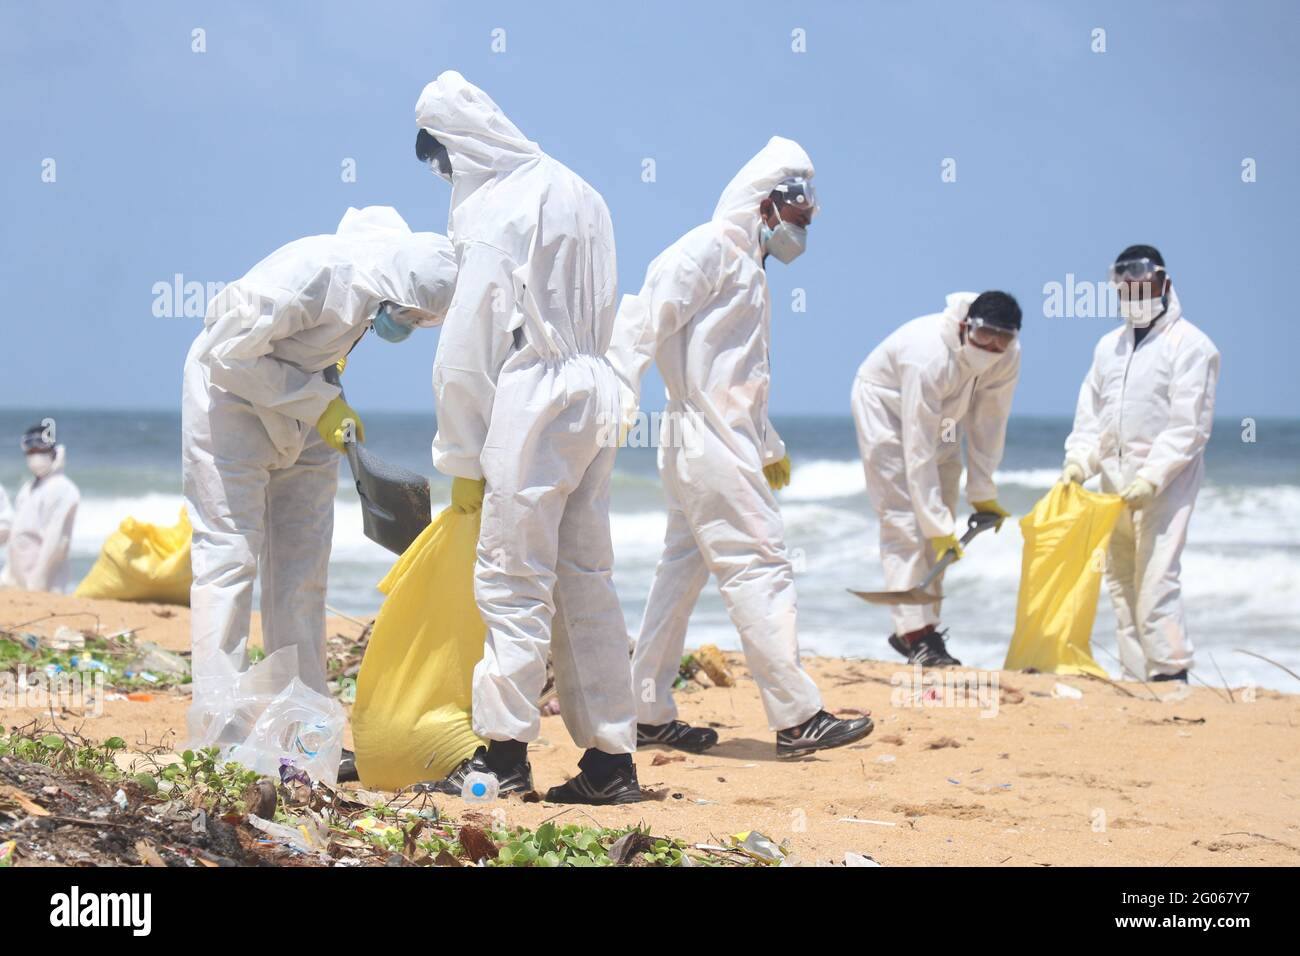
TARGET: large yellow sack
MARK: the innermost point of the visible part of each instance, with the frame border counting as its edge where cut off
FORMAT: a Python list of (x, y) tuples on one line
[(411, 721), (1060, 575), (143, 562)]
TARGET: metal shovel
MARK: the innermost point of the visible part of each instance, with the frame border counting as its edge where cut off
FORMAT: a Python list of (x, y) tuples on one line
[(395, 503), (978, 522)]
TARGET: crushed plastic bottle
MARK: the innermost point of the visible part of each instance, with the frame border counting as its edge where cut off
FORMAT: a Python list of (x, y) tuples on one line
[(480, 787)]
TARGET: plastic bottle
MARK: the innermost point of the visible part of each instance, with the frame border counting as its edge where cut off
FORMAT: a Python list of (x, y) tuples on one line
[(479, 787)]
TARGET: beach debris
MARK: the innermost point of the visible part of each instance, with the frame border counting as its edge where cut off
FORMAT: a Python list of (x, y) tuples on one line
[(941, 742), (711, 661), (7, 852), (477, 844), (886, 758), (874, 823), (661, 759), (148, 855), (955, 783), (858, 859), (66, 639), (1010, 695), (629, 845), (894, 739), (151, 660), (758, 846), (1066, 692)]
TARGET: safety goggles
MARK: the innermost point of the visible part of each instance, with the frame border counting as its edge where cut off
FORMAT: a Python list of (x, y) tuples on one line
[(1134, 270), (986, 335), (35, 441), (797, 192)]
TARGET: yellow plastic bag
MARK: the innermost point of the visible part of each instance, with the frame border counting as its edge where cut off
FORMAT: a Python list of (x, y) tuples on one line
[(411, 721), (143, 562), (1060, 575)]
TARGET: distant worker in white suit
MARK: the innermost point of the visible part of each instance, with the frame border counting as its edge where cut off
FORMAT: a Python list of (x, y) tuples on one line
[(1143, 420), (39, 527)]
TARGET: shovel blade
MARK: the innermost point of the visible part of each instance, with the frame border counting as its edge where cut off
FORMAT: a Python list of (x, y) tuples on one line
[(911, 596), (395, 502)]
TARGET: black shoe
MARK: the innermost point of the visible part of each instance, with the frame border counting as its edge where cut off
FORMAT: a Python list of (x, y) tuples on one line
[(518, 779), (928, 650), (620, 787), (1181, 675), (821, 731), (348, 767), (678, 735)]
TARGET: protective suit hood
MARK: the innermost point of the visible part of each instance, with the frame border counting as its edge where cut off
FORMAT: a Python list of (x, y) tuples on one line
[(412, 269), (484, 146), (780, 159)]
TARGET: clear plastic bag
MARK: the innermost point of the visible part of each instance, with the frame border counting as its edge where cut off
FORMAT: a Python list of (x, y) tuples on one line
[(265, 713)]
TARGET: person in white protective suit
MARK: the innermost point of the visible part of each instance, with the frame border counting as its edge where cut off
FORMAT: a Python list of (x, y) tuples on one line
[(39, 531), (1142, 422), (263, 424), (704, 314), (934, 382), (525, 398)]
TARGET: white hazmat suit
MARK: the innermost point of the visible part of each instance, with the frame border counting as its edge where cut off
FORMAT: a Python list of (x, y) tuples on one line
[(1146, 412), (704, 315), (40, 531), (259, 479), (915, 398), (526, 400)]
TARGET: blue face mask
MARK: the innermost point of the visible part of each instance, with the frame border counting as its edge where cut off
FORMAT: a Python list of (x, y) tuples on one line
[(387, 328)]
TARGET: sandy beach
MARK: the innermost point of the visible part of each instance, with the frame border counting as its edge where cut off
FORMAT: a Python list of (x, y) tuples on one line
[(1017, 777)]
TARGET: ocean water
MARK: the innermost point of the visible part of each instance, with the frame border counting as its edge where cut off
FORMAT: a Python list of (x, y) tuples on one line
[(1241, 568)]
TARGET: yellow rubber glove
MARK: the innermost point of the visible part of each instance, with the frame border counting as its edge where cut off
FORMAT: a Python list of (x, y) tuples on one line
[(334, 426), (777, 473), (467, 495), (944, 544), (1072, 473), (1138, 494), (992, 507), (341, 364)]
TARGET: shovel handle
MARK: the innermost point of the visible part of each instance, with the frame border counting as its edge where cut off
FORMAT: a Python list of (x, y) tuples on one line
[(979, 522)]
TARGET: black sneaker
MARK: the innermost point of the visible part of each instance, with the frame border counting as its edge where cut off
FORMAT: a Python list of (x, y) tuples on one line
[(676, 734), (821, 731), (518, 779), (621, 787), (1181, 675), (928, 650), (348, 767)]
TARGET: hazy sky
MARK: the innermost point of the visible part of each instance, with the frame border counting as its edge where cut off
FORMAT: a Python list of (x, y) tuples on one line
[(169, 161)]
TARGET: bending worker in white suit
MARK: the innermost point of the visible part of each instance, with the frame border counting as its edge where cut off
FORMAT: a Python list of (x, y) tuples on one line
[(263, 425), (933, 382), (39, 529), (524, 397), (1144, 417), (704, 314)]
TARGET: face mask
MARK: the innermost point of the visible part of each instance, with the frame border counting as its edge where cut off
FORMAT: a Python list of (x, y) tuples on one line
[(1142, 312), (977, 359), (440, 163), (40, 463), (387, 328), (787, 241)]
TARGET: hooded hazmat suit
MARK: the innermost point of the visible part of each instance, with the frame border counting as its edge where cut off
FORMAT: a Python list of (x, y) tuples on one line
[(704, 315), (1146, 412), (915, 398), (527, 401), (40, 531), (259, 479)]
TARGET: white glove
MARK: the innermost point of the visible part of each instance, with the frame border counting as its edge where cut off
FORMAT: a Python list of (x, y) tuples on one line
[(1072, 473)]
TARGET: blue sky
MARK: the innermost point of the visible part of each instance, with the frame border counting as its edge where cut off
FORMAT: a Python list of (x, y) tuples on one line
[(170, 161)]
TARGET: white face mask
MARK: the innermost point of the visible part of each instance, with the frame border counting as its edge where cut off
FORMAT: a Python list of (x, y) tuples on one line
[(39, 463), (786, 242), (977, 359), (1140, 313)]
